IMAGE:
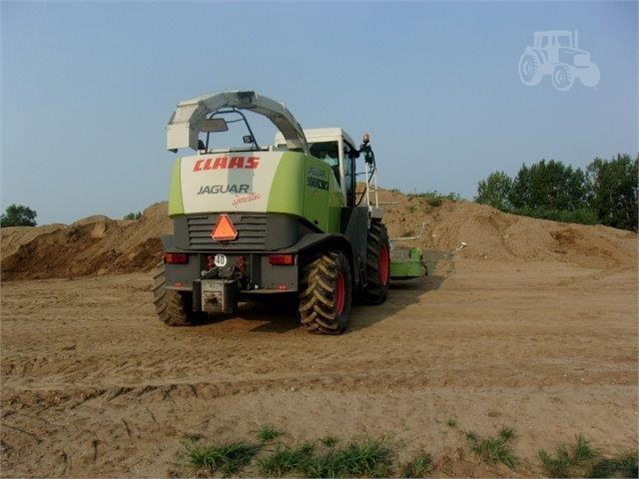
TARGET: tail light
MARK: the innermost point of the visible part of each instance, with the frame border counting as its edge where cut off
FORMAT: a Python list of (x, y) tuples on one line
[(241, 264), (282, 259), (176, 258)]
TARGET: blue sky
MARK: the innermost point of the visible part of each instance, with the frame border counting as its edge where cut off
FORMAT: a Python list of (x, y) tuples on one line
[(87, 89)]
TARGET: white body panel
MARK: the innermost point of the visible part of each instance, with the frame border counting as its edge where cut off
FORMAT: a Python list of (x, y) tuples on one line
[(228, 182)]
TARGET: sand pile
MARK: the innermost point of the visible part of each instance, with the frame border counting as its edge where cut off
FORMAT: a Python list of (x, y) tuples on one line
[(98, 245), (492, 235)]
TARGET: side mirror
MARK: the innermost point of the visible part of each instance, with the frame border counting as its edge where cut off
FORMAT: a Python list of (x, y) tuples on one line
[(248, 139), (214, 125), (366, 138)]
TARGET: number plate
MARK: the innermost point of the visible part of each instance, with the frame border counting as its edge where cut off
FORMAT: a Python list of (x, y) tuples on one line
[(220, 260)]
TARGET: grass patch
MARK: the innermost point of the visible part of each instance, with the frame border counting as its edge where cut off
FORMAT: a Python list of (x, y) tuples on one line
[(329, 441), (419, 466), (494, 449), (267, 433), (575, 461), (623, 465), (285, 460), (367, 457), (582, 460), (227, 458)]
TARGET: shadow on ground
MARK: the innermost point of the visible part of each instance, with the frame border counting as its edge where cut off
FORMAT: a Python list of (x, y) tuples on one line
[(278, 313)]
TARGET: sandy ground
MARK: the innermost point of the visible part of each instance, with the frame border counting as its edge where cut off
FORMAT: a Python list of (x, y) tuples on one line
[(94, 385)]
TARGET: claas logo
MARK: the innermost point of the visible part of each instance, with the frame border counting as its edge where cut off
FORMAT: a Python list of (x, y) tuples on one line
[(226, 163)]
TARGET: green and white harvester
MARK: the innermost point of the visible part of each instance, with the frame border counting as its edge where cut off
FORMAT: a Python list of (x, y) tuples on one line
[(284, 219)]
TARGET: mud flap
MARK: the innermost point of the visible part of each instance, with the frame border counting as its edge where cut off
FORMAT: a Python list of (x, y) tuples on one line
[(218, 296)]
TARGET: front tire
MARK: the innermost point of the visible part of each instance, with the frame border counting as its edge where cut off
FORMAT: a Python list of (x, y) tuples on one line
[(562, 77), (326, 293), (172, 307)]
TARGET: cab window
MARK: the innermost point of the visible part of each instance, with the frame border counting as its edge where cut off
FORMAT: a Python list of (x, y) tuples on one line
[(328, 152), (349, 174)]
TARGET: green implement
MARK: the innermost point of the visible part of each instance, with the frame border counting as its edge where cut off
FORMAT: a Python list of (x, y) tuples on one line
[(407, 263)]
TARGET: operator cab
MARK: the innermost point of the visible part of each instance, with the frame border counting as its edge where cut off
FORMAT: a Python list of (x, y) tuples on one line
[(337, 149)]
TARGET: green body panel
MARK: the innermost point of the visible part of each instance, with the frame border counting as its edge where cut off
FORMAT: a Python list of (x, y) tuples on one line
[(408, 268), (305, 186), (287, 189), (336, 202), (176, 205)]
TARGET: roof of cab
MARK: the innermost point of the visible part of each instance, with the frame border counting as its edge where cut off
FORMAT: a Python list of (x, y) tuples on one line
[(554, 32), (315, 135)]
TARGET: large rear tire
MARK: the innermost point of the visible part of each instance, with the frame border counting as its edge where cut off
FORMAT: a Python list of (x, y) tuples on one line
[(172, 307), (377, 264), (530, 69), (326, 293)]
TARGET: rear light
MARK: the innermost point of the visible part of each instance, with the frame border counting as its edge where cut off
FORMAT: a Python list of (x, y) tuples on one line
[(176, 258), (282, 259), (240, 264)]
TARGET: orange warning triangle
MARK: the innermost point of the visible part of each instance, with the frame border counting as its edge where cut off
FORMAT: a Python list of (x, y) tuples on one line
[(224, 230)]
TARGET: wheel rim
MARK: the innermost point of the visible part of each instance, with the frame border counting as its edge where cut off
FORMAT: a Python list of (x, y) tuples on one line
[(527, 69), (384, 263), (340, 294)]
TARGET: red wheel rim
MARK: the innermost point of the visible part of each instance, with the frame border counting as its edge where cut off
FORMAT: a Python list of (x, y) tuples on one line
[(340, 294), (384, 265)]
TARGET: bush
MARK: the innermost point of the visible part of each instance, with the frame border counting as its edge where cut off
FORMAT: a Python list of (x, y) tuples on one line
[(585, 216), (18, 215), (435, 198), (133, 216)]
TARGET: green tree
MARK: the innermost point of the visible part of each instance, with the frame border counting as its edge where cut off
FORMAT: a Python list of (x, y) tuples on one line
[(614, 191), (495, 191), (18, 215), (551, 186)]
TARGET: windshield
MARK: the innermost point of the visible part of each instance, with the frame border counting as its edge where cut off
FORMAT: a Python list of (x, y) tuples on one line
[(328, 152), (241, 135), (564, 40)]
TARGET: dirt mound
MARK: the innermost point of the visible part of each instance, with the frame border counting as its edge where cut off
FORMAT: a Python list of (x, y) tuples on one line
[(93, 246), (98, 245), (481, 232)]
